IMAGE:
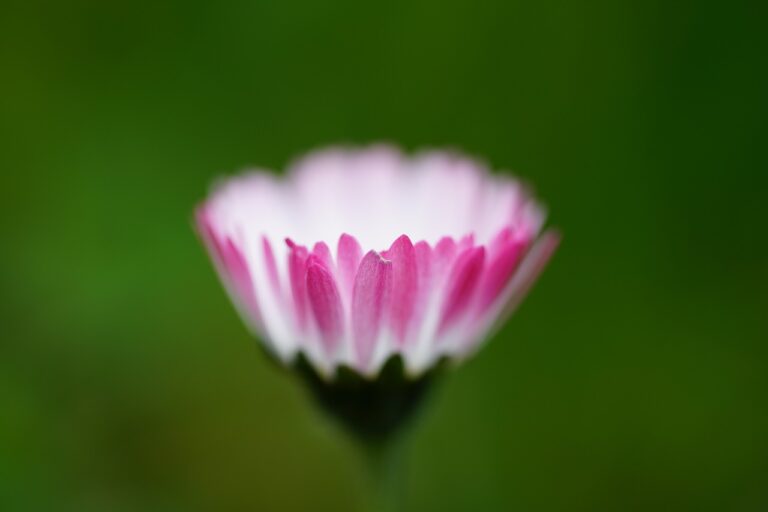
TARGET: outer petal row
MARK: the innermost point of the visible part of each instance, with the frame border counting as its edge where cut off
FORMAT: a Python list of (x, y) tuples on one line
[(417, 300)]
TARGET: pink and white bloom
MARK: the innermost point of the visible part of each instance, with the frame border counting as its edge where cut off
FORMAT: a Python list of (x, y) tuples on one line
[(356, 255)]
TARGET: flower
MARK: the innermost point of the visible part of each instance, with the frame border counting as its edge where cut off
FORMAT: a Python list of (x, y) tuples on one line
[(359, 255)]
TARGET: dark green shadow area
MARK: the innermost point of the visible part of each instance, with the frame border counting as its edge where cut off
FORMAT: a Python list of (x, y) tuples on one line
[(372, 410)]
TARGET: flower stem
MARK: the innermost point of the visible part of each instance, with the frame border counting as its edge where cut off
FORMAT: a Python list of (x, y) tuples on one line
[(384, 460)]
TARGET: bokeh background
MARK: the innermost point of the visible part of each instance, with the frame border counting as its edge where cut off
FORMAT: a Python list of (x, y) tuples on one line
[(634, 378)]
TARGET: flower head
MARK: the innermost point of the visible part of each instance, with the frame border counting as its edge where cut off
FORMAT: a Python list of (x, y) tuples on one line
[(359, 255)]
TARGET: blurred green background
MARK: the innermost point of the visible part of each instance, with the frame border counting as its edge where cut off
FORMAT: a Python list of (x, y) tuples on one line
[(634, 378)]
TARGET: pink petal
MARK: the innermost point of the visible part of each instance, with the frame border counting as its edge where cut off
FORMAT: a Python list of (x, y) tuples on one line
[(240, 275), (348, 255), (530, 268), (231, 265), (500, 240), (461, 284), (210, 237), (498, 271), (369, 297), (443, 255), (423, 254), (273, 276), (523, 277), (405, 284), (423, 261), (325, 303), (465, 242), (321, 251), (297, 271)]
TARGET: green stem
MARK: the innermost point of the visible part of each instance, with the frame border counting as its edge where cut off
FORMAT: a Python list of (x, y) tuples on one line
[(385, 474)]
